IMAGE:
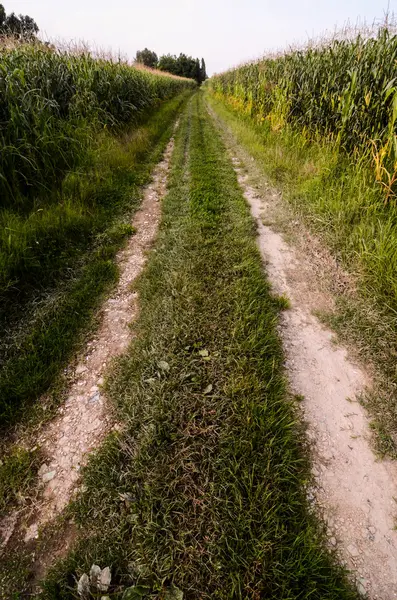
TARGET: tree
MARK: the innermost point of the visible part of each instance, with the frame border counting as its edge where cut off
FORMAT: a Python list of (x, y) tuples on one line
[(167, 62), (184, 66), (28, 25), (22, 26), (197, 71), (147, 57), (203, 72), (2, 16)]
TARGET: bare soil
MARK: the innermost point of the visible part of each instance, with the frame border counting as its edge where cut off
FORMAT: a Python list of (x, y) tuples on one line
[(86, 417), (354, 492)]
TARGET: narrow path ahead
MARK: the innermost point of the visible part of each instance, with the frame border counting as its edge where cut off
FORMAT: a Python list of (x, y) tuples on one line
[(355, 492), (202, 495)]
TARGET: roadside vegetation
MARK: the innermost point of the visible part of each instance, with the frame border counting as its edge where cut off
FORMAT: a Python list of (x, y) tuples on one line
[(322, 123), (79, 137), (202, 494)]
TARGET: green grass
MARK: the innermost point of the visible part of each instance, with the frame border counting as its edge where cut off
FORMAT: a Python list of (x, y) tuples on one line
[(17, 473), (339, 201), (79, 136), (60, 260), (205, 487)]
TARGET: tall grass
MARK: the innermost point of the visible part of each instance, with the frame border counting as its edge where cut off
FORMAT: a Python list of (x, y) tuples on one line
[(79, 137), (344, 90), (321, 122), (53, 102)]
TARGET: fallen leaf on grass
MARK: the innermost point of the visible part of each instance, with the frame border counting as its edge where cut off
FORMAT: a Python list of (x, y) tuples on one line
[(173, 593), (136, 592), (163, 365)]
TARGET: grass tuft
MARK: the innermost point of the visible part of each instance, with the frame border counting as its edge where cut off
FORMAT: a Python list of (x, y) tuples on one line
[(17, 473)]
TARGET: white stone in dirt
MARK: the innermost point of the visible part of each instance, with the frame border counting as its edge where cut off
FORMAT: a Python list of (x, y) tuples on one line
[(32, 533), (43, 469), (48, 476), (372, 530), (81, 369), (95, 397), (362, 590)]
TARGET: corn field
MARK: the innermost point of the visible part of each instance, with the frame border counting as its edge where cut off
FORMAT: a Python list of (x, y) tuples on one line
[(343, 90), (53, 102)]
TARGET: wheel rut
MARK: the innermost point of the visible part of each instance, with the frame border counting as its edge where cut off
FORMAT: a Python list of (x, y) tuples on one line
[(353, 491), (86, 418)]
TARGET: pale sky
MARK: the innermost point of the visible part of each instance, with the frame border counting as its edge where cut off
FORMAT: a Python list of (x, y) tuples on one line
[(224, 32)]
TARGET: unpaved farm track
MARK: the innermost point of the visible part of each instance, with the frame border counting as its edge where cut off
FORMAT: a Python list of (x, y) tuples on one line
[(354, 492), (85, 418)]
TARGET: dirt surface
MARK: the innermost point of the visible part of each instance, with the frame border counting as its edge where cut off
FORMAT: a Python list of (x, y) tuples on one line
[(353, 491), (85, 418)]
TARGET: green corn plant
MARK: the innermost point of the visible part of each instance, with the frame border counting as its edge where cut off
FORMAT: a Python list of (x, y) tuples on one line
[(344, 90), (52, 104)]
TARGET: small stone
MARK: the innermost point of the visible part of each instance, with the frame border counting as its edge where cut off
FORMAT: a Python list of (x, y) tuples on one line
[(100, 381), (32, 532), (43, 469), (81, 369), (353, 551), (83, 586), (372, 530), (328, 455), (163, 365), (95, 397), (362, 590), (333, 541), (48, 476), (104, 580)]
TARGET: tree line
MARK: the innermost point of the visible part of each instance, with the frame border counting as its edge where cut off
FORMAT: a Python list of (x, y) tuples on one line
[(182, 65), (22, 25)]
